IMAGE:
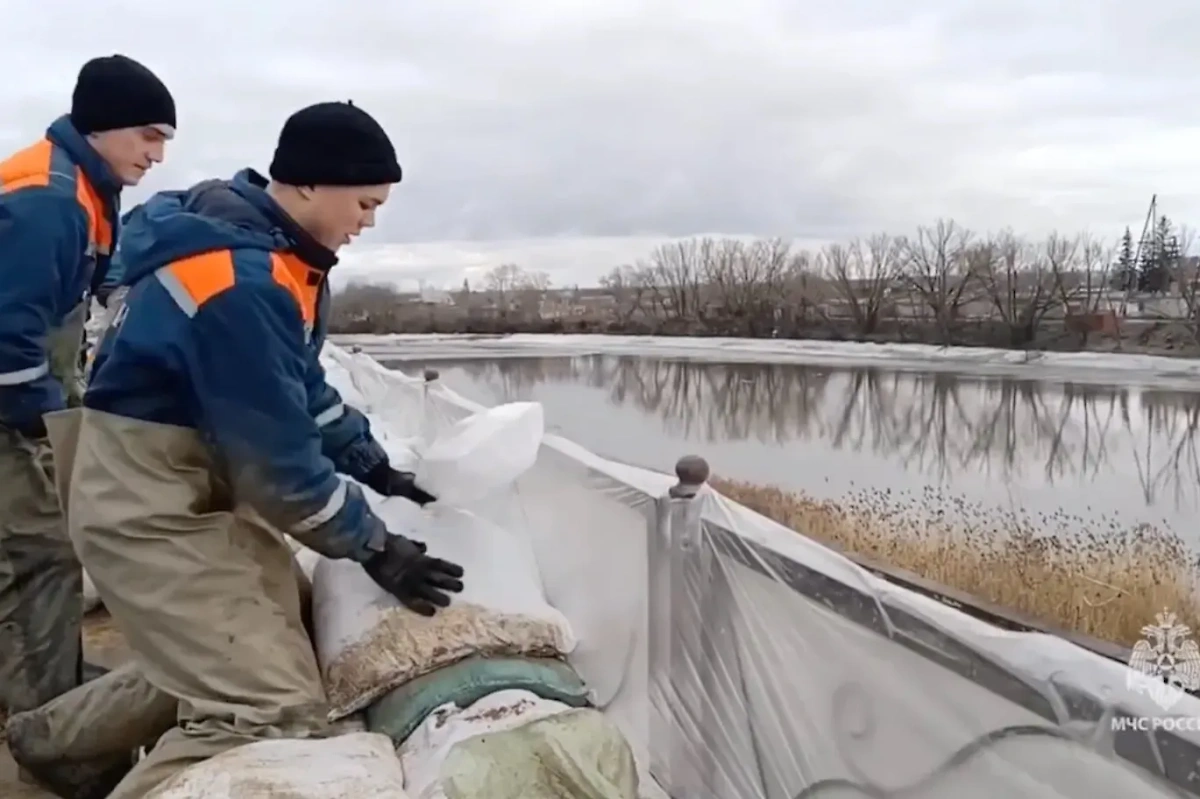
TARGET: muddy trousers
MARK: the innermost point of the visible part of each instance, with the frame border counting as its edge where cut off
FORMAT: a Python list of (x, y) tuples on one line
[(207, 600), (81, 744), (41, 583)]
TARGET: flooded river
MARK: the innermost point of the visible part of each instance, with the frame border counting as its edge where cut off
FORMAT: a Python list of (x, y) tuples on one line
[(1085, 453)]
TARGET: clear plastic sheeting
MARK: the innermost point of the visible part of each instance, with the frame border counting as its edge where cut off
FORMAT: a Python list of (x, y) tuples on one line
[(742, 660), (785, 670)]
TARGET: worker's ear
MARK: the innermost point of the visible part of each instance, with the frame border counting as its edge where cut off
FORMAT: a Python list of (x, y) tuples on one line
[(306, 192)]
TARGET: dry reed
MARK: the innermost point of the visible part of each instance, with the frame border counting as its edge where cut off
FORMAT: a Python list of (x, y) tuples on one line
[(1106, 580)]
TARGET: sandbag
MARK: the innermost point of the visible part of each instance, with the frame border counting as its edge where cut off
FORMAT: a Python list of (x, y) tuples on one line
[(398, 713), (482, 453), (515, 745), (91, 597), (306, 558), (368, 643), (360, 765)]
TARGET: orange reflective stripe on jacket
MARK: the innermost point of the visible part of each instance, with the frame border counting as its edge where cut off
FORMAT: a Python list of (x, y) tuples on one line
[(195, 280), (42, 165), (302, 281)]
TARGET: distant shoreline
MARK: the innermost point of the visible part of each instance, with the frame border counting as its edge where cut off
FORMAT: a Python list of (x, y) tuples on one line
[(1165, 338), (1151, 370)]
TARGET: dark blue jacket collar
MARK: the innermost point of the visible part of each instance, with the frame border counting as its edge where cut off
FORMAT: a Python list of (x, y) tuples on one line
[(97, 171), (252, 187)]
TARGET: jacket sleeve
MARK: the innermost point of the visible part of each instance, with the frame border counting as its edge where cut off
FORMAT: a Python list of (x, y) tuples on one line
[(346, 437), (248, 363), (43, 235)]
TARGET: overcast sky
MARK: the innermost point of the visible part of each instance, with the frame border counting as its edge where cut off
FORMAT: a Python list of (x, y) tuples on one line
[(569, 135)]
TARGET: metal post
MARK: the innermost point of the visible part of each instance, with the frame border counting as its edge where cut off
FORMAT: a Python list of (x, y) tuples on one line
[(678, 573)]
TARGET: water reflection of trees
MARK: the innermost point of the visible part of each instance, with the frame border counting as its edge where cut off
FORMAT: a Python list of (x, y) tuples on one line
[(938, 424)]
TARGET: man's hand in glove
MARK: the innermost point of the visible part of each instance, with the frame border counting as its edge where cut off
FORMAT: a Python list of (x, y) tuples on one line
[(421, 583), (388, 482)]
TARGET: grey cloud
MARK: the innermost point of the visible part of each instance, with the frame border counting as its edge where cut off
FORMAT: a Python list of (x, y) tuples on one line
[(531, 120)]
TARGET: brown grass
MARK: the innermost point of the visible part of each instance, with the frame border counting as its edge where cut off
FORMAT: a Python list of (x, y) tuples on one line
[(1103, 580)]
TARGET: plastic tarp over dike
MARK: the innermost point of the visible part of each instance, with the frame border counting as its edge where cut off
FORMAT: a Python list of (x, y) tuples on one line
[(743, 660)]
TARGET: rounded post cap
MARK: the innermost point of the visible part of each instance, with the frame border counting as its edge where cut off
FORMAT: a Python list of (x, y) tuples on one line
[(692, 470)]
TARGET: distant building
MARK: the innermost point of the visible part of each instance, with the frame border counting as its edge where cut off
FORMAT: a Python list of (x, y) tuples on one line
[(432, 296)]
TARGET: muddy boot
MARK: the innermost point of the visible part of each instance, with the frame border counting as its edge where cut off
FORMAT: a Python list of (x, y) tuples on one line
[(77, 780), (94, 779), (81, 744)]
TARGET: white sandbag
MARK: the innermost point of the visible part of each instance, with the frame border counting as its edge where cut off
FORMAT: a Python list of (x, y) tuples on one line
[(361, 765), (423, 753), (482, 453), (308, 560), (368, 643), (91, 597)]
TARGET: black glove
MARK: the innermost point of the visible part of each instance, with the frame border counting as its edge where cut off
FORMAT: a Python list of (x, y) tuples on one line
[(388, 482), (421, 583)]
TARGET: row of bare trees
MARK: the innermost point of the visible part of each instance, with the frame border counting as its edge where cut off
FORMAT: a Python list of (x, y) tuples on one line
[(942, 279), (943, 284)]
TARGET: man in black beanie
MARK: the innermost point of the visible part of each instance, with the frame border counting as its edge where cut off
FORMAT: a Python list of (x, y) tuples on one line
[(210, 433), (59, 205)]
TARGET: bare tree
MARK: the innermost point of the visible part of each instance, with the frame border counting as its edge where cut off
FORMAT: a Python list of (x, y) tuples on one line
[(1020, 279), (628, 287), (862, 276), (938, 273), (675, 277), (502, 283), (805, 291), (1084, 294), (1187, 281), (745, 282), (530, 289)]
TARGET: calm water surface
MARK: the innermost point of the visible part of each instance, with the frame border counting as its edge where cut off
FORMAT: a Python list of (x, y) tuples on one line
[(1099, 453)]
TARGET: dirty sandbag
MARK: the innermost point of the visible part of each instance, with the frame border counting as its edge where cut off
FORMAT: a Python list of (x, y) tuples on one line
[(369, 644), (482, 453), (361, 765), (516, 745)]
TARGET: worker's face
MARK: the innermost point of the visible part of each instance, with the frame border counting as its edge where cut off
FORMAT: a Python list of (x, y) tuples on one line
[(130, 152), (337, 214)]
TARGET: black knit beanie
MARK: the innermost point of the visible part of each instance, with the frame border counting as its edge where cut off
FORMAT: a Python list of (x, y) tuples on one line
[(334, 144), (115, 92)]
